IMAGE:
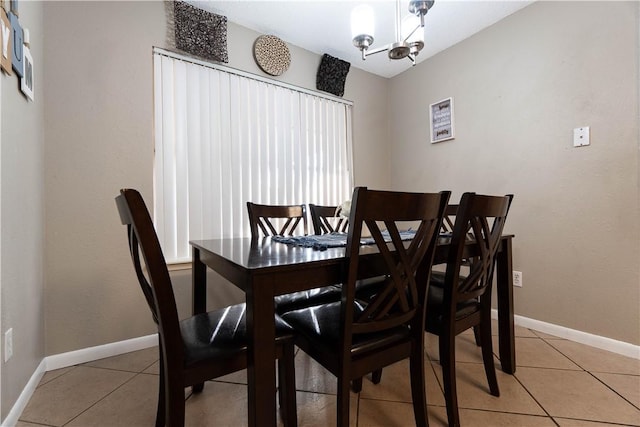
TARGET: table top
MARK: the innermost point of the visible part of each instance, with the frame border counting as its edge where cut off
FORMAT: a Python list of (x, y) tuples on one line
[(253, 254), (263, 253)]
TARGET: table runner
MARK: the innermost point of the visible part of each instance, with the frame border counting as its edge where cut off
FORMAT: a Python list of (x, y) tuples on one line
[(322, 242)]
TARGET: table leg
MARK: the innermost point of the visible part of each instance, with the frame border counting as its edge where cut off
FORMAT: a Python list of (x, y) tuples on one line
[(504, 285), (199, 294), (198, 284), (261, 355)]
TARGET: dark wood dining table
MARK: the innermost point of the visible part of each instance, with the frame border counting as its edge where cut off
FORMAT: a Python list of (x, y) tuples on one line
[(264, 269)]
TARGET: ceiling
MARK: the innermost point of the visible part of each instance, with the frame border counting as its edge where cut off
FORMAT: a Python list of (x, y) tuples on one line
[(323, 26)]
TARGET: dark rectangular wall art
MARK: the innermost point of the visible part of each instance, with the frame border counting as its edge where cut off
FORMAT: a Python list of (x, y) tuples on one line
[(332, 74), (200, 33)]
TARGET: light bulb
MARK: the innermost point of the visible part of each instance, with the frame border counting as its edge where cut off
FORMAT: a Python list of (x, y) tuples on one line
[(362, 21)]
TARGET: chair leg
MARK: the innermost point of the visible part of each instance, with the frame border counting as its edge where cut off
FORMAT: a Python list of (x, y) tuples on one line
[(448, 363), (487, 355), (343, 401), (356, 385), (376, 376), (418, 387), (174, 398), (477, 335), (287, 380), (160, 412)]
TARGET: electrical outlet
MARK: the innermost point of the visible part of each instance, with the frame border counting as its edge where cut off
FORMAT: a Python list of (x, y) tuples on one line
[(517, 278), (8, 344)]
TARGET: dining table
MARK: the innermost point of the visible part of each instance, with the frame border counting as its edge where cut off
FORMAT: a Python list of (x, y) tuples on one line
[(264, 268)]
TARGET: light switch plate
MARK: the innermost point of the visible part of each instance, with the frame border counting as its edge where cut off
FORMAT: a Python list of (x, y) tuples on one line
[(581, 136)]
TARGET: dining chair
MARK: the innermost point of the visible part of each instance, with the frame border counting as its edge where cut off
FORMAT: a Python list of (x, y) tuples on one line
[(271, 220), (200, 347), (354, 336), (464, 301), (437, 277), (263, 220), (327, 219)]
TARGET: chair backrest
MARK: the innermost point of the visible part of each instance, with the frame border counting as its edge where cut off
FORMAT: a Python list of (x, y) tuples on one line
[(449, 218), (157, 289), (479, 219), (283, 220), (327, 219), (400, 300)]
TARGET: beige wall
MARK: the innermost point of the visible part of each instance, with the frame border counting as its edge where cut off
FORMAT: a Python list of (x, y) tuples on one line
[(99, 139), (520, 88), (22, 226)]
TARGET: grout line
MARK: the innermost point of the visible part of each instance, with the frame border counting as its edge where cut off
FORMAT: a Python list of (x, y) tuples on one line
[(611, 388), (71, 368), (102, 398), (608, 423), (562, 353), (515, 375)]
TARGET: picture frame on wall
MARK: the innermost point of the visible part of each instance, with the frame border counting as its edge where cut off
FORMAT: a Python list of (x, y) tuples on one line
[(26, 81), (6, 43), (442, 120)]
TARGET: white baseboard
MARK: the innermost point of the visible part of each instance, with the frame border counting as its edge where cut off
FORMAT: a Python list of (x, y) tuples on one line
[(89, 354), (25, 396), (604, 343)]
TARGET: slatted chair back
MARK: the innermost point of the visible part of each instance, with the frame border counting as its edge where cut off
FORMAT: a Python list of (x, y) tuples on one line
[(271, 220), (327, 219), (400, 300), (156, 285), (481, 219), (449, 218)]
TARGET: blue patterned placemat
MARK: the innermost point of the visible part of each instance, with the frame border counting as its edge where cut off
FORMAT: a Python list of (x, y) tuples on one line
[(322, 242)]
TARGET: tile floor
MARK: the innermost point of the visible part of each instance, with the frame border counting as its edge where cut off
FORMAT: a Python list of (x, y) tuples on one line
[(557, 383)]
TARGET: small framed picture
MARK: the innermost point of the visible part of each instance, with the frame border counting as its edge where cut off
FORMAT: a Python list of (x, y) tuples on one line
[(441, 119), (26, 81)]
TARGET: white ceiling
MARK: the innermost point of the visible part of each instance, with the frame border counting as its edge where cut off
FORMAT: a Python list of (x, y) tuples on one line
[(323, 26)]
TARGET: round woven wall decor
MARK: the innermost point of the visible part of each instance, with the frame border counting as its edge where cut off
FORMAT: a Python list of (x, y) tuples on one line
[(272, 55)]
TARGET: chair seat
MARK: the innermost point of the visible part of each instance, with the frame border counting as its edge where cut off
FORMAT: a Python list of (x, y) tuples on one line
[(437, 278), (321, 325), (221, 334), (435, 308), (304, 299)]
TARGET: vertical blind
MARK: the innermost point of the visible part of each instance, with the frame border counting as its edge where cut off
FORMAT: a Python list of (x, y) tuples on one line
[(223, 138)]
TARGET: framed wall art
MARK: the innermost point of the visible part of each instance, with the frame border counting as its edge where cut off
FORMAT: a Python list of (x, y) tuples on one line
[(26, 81), (16, 55), (441, 119), (6, 38)]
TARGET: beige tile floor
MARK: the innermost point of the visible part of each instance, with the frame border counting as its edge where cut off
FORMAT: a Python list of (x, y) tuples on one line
[(557, 383)]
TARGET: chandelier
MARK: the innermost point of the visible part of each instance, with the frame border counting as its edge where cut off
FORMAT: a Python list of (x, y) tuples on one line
[(409, 32)]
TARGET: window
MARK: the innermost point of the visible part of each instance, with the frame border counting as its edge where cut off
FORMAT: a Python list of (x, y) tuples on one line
[(224, 137)]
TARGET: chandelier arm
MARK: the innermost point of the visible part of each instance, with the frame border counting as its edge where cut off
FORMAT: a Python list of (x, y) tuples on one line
[(411, 33), (412, 58), (370, 52)]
